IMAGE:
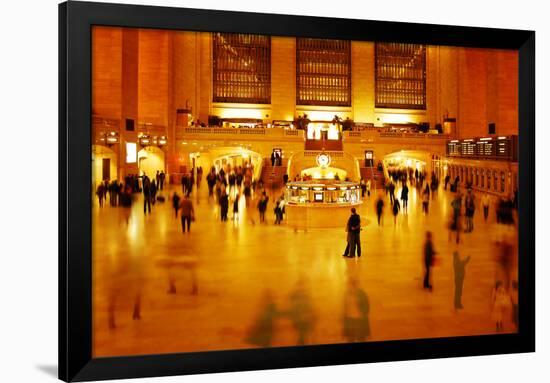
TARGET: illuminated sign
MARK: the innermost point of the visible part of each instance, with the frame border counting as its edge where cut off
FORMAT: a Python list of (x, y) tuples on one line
[(131, 152)]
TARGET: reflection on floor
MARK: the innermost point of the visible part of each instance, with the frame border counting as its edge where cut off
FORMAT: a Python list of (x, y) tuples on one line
[(242, 284)]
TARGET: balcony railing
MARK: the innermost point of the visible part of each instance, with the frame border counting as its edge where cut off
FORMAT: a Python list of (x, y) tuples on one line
[(270, 133)]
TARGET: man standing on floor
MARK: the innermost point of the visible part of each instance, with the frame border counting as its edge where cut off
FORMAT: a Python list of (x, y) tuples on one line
[(354, 230), (187, 213)]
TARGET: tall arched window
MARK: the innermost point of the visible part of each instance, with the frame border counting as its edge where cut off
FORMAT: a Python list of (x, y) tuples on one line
[(323, 72), (242, 68), (400, 76)]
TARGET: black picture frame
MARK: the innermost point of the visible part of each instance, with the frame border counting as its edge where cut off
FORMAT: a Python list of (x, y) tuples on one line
[(75, 266)]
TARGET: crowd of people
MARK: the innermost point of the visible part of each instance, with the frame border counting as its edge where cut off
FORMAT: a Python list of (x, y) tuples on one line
[(228, 185)]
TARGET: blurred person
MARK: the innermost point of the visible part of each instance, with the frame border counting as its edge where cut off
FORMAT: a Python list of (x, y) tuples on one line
[(455, 224), (301, 313), (162, 179), (211, 181), (459, 268), (100, 192), (176, 203), (125, 202), (279, 210), (391, 191), (262, 206), (224, 205), (146, 186), (262, 331), (485, 203), (469, 206), (405, 197), (187, 213), (395, 210), (500, 303), (379, 208), (447, 179), (355, 318), (153, 192), (425, 199), (429, 260), (236, 207)]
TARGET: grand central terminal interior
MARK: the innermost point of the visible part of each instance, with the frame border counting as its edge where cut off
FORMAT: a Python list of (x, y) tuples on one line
[(263, 191)]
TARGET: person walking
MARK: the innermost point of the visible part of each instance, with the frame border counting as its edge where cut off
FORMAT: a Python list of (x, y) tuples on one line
[(459, 267), (455, 224), (176, 203), (187, 213), (447, 179), (485, 203), (100, 192), (224, 205), (429, 259), (236, 207), (355, 318), (363, 187), (426, 199), (469, 205), (405, 197), (395, 210), (262, 206), (379, 208), (391, 190), (146, 194)]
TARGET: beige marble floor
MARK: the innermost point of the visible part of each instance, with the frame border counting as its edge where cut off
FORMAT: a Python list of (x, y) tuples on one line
[(240, 277)]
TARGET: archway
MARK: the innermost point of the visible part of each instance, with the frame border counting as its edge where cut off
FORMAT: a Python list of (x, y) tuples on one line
[(104, 164), (407, 159), (234, 157), (151, 159)]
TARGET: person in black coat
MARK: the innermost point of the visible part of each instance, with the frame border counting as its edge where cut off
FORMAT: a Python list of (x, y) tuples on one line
[(146, 194), (224, 206), (429, 254), (354, 230)]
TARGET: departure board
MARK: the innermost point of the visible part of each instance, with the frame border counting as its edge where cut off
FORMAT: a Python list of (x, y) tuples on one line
[(496, 148)]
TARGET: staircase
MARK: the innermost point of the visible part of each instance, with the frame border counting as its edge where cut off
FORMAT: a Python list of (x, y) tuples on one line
[(272, 176), (376, 177)]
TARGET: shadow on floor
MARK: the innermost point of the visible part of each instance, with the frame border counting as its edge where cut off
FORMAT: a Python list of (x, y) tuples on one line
[(48, 370)]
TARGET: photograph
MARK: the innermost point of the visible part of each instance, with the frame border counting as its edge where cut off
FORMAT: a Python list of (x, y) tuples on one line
[(260, 191)]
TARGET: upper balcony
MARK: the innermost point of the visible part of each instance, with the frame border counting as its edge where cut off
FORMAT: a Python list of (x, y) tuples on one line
[(251, 134)]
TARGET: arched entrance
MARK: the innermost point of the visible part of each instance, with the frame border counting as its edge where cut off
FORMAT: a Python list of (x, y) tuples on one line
[(151, 159), (408, 159), (104, 164), (225, 157)]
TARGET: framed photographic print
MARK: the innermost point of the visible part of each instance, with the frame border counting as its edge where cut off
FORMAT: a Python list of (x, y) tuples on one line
[(249, 191)]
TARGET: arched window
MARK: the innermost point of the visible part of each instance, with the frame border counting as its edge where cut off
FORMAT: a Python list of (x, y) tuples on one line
[(242, 68), (323, 72), (400, 76)]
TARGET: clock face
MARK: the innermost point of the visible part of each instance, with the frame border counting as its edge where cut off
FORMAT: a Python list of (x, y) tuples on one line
[(323, 160)]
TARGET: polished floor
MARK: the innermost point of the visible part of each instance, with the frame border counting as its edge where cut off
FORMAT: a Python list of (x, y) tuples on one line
[(242, 284)]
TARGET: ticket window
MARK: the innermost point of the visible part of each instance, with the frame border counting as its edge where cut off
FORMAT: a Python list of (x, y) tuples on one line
[(318, 196), (482, 178), (488, 180), (495, 181), (477, 177), (502, 182)]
